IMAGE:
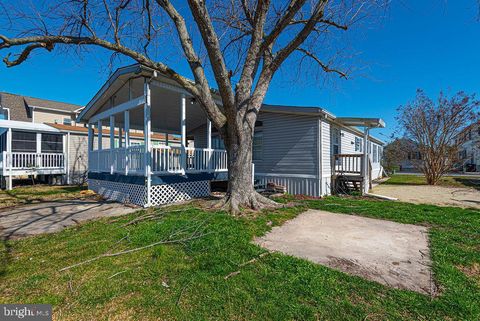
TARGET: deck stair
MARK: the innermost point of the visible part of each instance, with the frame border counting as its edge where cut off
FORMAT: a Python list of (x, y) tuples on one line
[(348, 173)]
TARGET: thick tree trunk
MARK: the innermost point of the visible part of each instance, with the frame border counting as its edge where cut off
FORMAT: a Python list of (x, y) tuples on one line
[(241, 193)]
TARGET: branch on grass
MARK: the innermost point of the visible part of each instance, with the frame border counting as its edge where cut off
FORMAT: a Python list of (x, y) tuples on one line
[(244, 264), (195, 236)]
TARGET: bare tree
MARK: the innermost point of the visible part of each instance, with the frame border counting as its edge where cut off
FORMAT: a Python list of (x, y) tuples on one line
[(434, 127), (246, 39)]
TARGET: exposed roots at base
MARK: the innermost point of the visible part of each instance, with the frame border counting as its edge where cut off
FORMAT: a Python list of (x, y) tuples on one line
[(235, 203)]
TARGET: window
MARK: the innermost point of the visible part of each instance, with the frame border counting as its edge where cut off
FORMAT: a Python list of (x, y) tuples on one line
[(375, 153), (24, 142), (336, 141), (52, 143), (358, 144), (67, 121), (258, 146)]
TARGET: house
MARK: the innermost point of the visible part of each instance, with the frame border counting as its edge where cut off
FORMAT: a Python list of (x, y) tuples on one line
[(469, 148), (29, 146), (305, 148), (42, 138)]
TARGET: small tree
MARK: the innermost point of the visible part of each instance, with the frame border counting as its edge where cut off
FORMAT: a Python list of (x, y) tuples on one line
[(434, 126), (246, 39)]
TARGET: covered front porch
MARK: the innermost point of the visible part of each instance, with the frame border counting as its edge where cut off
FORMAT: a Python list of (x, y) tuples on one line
[(188, 152)]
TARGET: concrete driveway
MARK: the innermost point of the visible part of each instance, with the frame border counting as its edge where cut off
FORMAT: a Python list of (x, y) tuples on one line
[(390, 253), (49, 217)]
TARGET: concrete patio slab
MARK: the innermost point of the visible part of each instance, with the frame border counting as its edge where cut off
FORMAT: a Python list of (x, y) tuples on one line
[(390, 253), (49, 217)]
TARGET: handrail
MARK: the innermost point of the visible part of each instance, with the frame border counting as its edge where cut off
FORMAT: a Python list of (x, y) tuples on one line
[(164, 160), (347, 164), (32, 160)]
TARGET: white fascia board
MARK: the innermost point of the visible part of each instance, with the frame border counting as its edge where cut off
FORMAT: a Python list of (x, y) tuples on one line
[(118, 109)]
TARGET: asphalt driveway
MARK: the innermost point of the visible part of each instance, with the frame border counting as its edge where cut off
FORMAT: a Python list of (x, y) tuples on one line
[(49, 217), (390, 253)]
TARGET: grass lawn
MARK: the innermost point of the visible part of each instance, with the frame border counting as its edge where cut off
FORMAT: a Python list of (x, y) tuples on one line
[(450, 181), (187, 281), (40, 193)]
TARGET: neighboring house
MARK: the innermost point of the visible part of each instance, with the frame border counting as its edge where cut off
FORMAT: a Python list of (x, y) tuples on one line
[(469, 150), (300, 147), (30, 146)]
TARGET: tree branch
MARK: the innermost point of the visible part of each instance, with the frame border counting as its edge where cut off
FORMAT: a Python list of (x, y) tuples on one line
[(204, 92), (325, 67), (212, 44)]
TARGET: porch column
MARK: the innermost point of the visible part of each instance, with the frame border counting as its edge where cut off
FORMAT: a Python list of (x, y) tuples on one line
[(209, 134), (112, 143), (90, 138), (147, 133), (112, 132), (38, 149), (366, 182), (126, 116), (120, 137), (183, 126), (209, 144), (9, 159), (66, 158), (100, 135)]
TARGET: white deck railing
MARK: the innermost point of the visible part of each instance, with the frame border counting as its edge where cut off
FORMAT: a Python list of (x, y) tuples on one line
[(164, 160), (16, 161)]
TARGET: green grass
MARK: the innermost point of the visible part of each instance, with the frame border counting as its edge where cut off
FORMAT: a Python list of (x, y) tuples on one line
[(40, 193), (449, 181), (187, 281)]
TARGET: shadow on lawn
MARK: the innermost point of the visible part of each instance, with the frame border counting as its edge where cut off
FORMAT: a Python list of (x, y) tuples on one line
[(469, 182), (35, 216)]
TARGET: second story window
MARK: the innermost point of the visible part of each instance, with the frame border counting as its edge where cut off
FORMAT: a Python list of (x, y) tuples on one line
[(67, 121)]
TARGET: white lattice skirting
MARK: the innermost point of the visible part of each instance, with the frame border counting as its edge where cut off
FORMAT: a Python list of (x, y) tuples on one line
[(119, 192), (177, 192), (159, 194)]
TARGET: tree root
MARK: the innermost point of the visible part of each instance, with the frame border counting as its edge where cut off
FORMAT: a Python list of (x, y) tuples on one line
[(235, 203)]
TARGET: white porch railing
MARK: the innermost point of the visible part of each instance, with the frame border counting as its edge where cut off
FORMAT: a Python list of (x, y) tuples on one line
[(15, 161), (164, 160)]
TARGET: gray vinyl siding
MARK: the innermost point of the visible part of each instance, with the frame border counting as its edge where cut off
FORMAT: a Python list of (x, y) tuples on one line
[(347, 140), (78, 158), (326, 157), (289, 145), (200, 136)]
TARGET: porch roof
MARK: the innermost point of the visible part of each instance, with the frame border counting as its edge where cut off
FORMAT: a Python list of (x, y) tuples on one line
[(362, 122), (26, 126)]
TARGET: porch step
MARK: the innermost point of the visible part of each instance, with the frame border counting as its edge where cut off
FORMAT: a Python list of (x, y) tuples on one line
[(346, 184)]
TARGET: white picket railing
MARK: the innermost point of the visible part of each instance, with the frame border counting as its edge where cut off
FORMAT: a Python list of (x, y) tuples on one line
[(164, 159), (32, 161)]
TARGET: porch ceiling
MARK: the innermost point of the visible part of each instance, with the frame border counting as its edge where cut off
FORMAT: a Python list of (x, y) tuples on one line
[(165, 113)]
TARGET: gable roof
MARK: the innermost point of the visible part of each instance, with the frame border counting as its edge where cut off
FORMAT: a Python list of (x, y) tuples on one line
[(20, 105)]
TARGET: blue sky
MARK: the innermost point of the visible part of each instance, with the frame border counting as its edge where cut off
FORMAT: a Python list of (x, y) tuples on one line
[(432, 45)]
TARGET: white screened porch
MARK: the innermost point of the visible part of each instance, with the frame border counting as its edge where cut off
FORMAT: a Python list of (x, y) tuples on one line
[(30, 149), (136, 100)]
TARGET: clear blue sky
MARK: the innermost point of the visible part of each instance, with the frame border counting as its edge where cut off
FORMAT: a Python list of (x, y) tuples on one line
[(432, 45)]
